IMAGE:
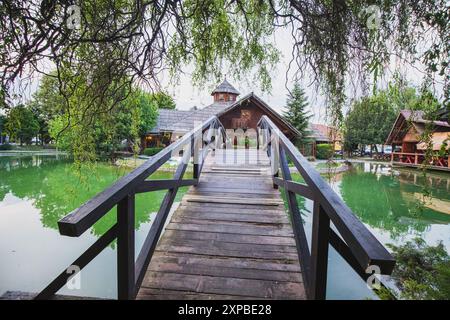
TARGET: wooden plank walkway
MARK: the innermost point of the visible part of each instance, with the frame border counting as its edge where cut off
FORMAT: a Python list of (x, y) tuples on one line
[(21, 295), (230, 238)]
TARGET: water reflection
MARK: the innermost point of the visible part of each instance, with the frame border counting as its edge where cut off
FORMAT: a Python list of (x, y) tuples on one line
[(394, 200), (35, 192), (391, 203), (45, 189), (56, 188)]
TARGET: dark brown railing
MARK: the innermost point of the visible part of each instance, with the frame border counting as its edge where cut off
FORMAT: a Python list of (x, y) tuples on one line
[(131, 271), (353, 241)]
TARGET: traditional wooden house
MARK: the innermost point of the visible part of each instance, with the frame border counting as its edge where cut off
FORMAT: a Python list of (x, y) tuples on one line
[(320, 134), (234, 113), (323, 134), (406, 140)]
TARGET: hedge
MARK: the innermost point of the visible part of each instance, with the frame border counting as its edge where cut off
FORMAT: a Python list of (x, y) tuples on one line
[(152, 151), (324, 151), (6, 146)]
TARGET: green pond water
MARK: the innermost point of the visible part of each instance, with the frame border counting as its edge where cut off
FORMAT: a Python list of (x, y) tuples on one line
[(35, 192), (391, 205)]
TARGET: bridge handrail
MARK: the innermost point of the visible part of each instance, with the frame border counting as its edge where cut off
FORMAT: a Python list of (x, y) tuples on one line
[(130, 271), (354, 242)]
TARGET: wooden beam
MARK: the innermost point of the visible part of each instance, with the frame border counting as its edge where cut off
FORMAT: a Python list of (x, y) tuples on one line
[(319, 253), (81, 219), (299, 188), (153, 235), (297, 225), (344, 251), (366, 248), (97, 247), (125, 248), (155, 185)]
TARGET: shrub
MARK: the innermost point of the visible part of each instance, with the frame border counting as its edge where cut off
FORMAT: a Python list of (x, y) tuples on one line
[(152, 151), (324, 151), (422, 272), (6, 146)]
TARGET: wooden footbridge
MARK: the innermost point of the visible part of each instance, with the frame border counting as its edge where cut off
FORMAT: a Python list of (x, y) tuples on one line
[(231, 236), (229, 239)]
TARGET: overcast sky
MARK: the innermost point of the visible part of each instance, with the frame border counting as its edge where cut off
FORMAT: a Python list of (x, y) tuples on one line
[(187, 96)]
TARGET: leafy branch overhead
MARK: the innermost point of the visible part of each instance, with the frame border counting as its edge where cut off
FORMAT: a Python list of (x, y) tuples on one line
[(120, 43)]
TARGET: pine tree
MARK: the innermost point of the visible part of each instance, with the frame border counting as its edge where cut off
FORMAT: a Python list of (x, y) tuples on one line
[(297, 113)]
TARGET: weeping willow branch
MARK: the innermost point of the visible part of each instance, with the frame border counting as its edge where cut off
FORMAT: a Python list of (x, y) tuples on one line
[(118, 44)]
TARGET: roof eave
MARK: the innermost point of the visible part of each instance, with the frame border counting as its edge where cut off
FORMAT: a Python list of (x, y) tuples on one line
[(390, 138), (276, 114)]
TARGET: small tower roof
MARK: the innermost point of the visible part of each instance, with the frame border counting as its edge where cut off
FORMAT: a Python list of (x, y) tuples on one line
[(225, 87)]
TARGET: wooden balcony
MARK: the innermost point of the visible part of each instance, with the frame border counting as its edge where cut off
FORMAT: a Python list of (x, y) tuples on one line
[(417, 160)]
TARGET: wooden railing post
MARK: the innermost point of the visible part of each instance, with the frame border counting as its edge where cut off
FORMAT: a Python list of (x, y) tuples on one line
[(275, 169), (130, 271), (358, 246), (297, 224), (257, 138), (274, 157), (125, 248), (416, 158), (195, 157), (276, 175), (319, 252)]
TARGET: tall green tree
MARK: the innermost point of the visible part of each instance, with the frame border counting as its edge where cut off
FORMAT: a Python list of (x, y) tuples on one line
[(369, 121), (122, 127), (371, 118), (402, 96), (46, 103), (163, 100), (21, 124), (297, 112)]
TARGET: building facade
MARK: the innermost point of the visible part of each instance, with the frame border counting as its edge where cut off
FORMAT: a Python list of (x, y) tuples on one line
[(236, 114), (406, 138)]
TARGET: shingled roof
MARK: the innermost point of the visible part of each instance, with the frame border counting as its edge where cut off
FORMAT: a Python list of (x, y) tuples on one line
[(167, 118), (323, 133), (418, 117), (197, 117), (184, 121), (417, 120), (225, 87)]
